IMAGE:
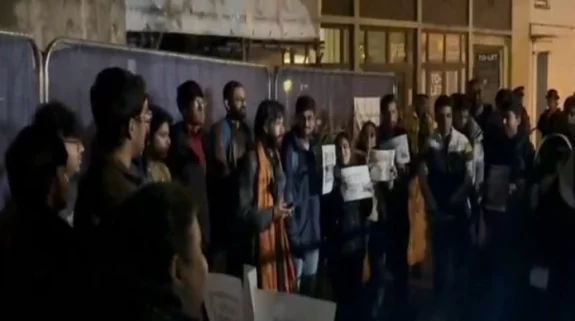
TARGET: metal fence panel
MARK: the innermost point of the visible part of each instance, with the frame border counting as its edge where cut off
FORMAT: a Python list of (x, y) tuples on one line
[(333, 91), (20, 66), (72, 66)]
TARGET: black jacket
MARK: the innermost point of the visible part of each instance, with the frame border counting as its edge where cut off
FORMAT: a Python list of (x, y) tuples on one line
[(38, 264), (345, 222), (185, 167)]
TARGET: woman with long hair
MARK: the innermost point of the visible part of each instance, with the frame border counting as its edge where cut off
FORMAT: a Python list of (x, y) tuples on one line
[(263, 213), (158, 145), (346, 237)]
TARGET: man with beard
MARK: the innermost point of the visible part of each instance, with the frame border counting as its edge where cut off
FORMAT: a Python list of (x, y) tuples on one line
[(264, 216), (229, 140), (481, 112), (303, 189), (186, 156)]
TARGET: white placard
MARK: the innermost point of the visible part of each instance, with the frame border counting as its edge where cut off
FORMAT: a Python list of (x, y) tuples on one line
[(539, 277), (380, 163), (356, 183), (366, 109), (224, 298), (250, 287), (271, 306), (497, 188), (254, 19), (328, 163), (401, 146)]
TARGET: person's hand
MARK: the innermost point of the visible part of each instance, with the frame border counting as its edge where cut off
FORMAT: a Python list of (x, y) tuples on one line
[(282, 211), (401, 169), (512, 188)]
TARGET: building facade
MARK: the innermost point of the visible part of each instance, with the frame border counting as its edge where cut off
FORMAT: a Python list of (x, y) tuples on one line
[(543, 45), (433, 46)]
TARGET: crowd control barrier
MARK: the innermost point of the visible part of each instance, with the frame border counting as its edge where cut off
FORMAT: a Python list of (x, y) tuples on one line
[(20, 89), (72, 65), (333, 90)]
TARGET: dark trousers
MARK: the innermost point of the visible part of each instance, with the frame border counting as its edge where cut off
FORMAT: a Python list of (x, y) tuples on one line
[(388, 242), (346, 272), (451, 246)]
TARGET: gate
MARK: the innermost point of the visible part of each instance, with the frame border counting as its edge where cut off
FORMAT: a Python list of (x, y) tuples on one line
[(72, 65), (334, 91), (20, 90)]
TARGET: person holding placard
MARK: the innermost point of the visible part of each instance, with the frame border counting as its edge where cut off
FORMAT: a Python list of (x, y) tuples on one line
[(346, 236), (446, 177), (389, 236), (263, 213), (509, 163)]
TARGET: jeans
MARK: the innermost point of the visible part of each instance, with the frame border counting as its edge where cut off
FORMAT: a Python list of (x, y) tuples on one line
[(306, 269)]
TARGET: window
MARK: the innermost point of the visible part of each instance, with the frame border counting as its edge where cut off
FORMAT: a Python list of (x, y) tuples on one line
[(452, 48), (423, 47), (376, 46), (397, 47), (436, 47), (336, 45)]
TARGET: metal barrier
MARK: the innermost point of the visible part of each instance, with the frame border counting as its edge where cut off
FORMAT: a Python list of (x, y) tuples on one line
[(332, 90), (20, 90), (72, 65)]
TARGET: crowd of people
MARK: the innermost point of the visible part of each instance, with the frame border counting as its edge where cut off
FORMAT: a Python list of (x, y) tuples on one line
[(130, 233)]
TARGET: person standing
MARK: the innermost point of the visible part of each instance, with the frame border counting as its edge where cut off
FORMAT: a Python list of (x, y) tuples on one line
[(186, 156), (446, 177), (37, 247), (303, 190), (547, 118), (122, 117), (229, 140), (264, 216), (158, 146)]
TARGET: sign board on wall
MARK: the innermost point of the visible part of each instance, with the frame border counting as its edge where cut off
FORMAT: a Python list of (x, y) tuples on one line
[(487, 66), (255, 19)]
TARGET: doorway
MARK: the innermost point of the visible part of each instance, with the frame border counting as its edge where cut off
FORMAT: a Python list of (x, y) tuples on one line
[(542, 67)]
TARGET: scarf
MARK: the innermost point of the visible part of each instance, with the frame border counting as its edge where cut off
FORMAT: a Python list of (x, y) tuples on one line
[(276, 269)]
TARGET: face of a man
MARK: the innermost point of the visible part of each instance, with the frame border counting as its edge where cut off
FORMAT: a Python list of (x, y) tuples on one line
[(197, 112), (139, 128), (237, 104), (307, 122), (461, 119), (390, 115), (75, 150), (444, 119), (511, 123)]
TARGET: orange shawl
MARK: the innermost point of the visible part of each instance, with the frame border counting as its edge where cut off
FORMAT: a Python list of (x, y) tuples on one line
[(276, 267)]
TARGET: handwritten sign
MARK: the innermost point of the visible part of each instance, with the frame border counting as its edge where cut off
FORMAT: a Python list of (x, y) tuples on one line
[(380, 163), (356, 183), (224, 298), (401, 146), (328, 163)]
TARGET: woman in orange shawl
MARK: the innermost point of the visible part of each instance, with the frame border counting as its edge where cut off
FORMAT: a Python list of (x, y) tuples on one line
[(262, 209), (419, 124)]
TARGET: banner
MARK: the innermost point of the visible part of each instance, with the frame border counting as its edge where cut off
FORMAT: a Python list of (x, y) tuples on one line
[(255, 19)]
